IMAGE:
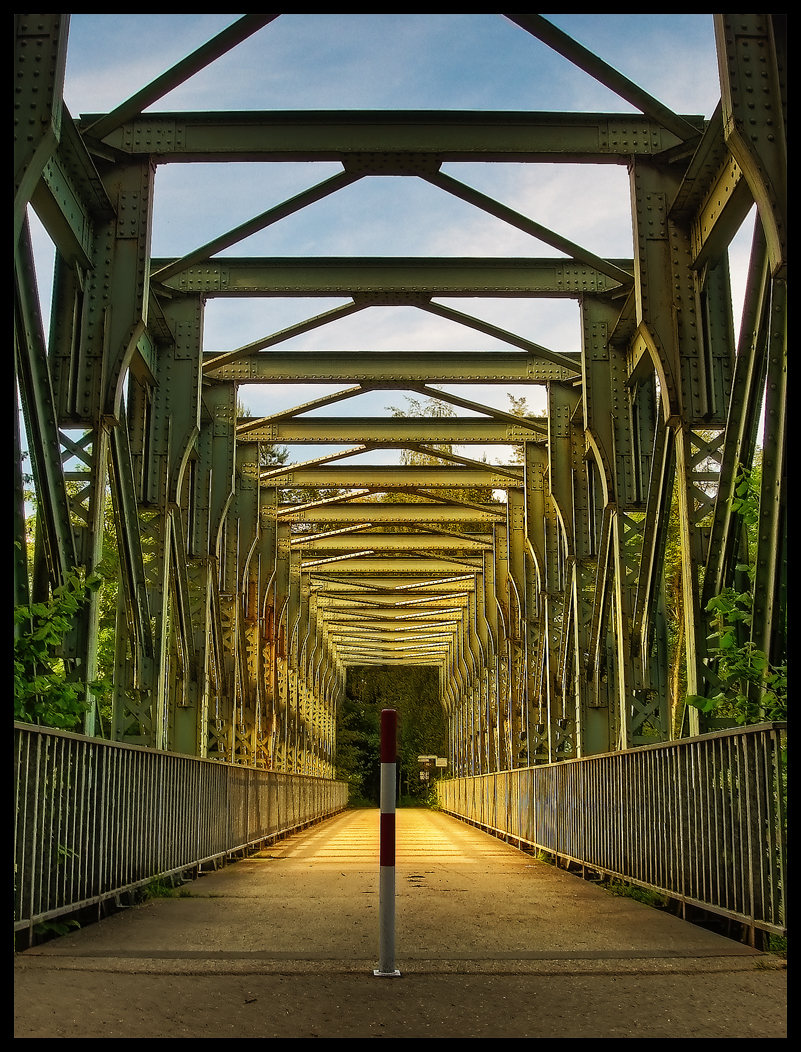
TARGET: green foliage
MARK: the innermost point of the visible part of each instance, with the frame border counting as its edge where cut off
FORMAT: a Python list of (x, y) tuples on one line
[(633, 891), (745, 501), (44, 693), (358, 750), (427, 455), (751, 689), (777, 944), (63, 853), (519, 407), (53, 928), (414, 692), (156, 889)]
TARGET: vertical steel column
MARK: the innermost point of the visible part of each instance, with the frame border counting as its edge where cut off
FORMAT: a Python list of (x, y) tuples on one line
[(219, 421), (668, 313), (535, 470)]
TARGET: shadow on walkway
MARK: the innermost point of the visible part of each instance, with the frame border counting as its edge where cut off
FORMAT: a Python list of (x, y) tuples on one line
[(490, 943)]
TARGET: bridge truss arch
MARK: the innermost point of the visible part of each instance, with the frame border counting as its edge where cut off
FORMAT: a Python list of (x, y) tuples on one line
[(536, 587)]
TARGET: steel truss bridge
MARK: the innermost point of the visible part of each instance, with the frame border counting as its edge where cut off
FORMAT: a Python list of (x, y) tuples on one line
[(542, 602)]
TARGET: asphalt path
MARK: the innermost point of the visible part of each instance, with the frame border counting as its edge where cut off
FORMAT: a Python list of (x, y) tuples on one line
[(490, 942)]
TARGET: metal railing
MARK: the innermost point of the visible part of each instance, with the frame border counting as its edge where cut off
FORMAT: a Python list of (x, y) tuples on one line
[(97, 818), (701, 820)]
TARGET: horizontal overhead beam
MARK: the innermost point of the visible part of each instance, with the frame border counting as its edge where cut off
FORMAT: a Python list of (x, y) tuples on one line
[(388, 622), (379, 648), (408, 514), (389, 542), (392, 367), (393, 634), (393, 476), (424, 660), (403, 279), (383, 601), (410, 585), (394, 565), (445, 611), (331, 135), (375, 430)]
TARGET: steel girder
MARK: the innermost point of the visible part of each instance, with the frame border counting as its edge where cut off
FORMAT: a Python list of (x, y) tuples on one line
[(537, 588)]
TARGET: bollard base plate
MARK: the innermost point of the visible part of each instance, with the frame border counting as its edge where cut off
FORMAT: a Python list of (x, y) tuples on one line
[(386, 975)]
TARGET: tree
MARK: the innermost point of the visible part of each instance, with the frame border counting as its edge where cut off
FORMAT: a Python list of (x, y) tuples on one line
[(273, 456), (414, 692), (518, 406), (270, 455), (433, 409)]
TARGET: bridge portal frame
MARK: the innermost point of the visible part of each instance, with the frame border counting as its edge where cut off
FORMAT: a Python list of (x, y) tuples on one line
[(225, 645)]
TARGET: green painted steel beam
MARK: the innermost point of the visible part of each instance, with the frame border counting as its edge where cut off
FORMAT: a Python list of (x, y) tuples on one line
[(397, 609), (393, 611), (394, 477), (31, 366), (388, 542), (380, 430), (390, 565), (426, 661), (397, 648), (714, 197), (393, 627), (429, 634), (366, 617), (331, 135), (70, 198), (412, 584), (39, 62), (753, 61), (58, 204), (611, 78), (245, 427), (387, 594), (177, 74), (392, 367), (378, 279), (407, 514)]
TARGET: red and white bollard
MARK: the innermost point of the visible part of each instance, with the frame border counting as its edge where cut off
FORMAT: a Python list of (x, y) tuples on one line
[(386, 880)]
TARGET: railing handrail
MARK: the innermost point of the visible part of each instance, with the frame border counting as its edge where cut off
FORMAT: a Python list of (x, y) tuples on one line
[(93, 740), (674, 743)]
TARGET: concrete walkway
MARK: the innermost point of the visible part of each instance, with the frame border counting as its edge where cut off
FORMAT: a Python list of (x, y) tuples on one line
[(490, 943)]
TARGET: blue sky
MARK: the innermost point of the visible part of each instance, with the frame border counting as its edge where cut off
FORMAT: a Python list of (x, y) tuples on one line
[(411, 61)]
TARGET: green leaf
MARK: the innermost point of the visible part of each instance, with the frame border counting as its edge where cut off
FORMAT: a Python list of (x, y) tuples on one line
[(706, 705)]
